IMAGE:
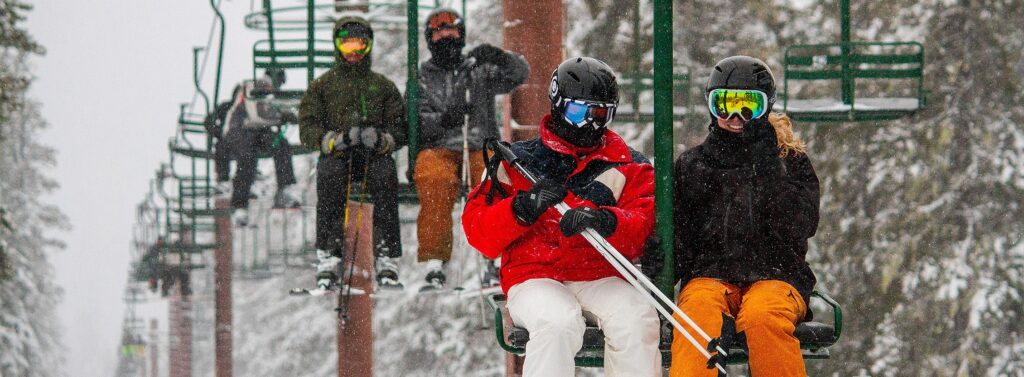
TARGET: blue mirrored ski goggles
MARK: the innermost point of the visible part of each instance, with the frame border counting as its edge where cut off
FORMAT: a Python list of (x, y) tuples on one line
[(582, 113)]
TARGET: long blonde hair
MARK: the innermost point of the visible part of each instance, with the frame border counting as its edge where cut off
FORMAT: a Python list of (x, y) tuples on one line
[(789, 144)]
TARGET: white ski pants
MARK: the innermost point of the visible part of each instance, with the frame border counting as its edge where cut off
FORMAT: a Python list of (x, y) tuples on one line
[(552, 312)]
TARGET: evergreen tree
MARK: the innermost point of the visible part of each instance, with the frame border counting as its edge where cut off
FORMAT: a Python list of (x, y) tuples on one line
[(29, 333)]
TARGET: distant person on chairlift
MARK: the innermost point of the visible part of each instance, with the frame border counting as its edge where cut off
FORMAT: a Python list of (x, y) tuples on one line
[(356, 118), (214, 124), (445, 80), (550, 273), (746, 203), (253, 125)]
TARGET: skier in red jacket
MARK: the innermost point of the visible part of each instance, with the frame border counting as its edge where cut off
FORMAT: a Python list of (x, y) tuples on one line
[(549, 272)]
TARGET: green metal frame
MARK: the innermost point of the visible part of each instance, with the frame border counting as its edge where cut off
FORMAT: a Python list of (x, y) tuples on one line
[(637, 83), (586, 358), (593, 357), (663, 144), (805, 62), (849, 62), (812, 351)]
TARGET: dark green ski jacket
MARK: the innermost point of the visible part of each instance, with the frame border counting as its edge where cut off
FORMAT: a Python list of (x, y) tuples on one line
[(351, 95)]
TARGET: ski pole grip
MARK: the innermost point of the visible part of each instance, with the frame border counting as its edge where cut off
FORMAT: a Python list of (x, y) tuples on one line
[(504, 149)]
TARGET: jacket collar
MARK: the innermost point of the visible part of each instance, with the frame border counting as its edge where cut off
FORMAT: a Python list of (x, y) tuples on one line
[(611, 149)]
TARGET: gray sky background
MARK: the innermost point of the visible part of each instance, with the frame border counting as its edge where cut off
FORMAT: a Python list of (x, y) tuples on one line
[(110, 85)]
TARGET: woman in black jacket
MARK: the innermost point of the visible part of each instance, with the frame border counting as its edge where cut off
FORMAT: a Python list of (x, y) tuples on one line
[(746, 203)]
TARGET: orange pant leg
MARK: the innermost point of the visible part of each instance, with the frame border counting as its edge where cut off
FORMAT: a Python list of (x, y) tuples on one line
[(768, 314), (437, 179), (704, 300)]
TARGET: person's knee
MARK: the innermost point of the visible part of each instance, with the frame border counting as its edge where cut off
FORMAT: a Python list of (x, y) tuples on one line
[(560, 323), (756, 318), (632, 316)]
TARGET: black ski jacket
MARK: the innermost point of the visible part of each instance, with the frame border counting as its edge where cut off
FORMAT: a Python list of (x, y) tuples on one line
[(440, 86), (741, 217)]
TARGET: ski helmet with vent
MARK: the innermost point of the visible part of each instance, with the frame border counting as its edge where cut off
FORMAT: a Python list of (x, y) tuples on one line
[(584, 95)]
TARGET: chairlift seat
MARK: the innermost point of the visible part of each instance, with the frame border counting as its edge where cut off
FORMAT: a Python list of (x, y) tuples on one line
[(850, 64), (590, 355), (815, 337)]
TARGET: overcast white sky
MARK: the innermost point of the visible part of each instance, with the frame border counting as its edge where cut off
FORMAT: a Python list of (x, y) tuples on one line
[(110, 84)]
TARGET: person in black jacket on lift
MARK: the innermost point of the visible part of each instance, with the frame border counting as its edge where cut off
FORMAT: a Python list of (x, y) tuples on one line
[(746, 203)]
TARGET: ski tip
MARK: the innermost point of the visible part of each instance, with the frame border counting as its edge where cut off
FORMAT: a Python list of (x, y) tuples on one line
[(320, 292), (390, 288), (431, 289), (306, 292)]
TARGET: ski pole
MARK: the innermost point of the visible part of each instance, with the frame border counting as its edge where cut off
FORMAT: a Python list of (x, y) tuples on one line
[(346, 298), (620, 263)]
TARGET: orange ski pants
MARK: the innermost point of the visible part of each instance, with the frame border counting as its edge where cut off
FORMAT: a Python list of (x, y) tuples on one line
[(767, 311), (438, 178)]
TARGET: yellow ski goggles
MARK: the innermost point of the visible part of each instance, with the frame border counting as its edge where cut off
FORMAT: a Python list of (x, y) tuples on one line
[(353, 45), (748, 104)]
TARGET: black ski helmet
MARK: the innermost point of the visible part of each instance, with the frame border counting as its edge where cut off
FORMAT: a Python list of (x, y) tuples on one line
[(276, 76), (584, 79), (428, 32), (743, 72)]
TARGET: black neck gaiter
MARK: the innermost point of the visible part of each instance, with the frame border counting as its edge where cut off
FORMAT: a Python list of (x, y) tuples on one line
[(447, 53)]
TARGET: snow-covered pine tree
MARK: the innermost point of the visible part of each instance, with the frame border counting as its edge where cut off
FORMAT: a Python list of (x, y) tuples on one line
[(29, 332)]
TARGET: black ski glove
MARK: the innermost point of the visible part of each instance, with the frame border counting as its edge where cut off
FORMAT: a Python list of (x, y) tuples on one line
[(576, 220), (527, 206), (760, 135), (764, 157), (454, 114), (487, 53)]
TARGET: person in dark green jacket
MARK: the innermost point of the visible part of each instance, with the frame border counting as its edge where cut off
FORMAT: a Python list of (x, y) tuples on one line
[(356, 118)]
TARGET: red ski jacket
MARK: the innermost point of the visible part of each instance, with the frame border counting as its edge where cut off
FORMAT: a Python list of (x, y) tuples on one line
[(611, 176)]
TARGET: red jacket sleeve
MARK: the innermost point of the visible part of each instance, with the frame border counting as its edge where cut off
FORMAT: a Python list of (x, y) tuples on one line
[(491, 228), (634, 211)]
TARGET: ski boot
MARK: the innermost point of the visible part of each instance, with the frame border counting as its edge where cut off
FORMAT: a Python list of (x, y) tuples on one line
[(287, 197), (435, 276), (241, 217), (387, 274), (326, 278)]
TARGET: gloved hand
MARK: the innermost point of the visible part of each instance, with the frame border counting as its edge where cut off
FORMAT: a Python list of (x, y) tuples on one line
[(761, 136), (289, 117), (379, 141), (333, 143), (487, 53), (527, 206), (578, 219), (355, 136), (454, 114)]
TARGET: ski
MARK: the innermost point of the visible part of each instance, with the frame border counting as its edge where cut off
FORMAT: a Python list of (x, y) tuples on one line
[(317, 292)]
